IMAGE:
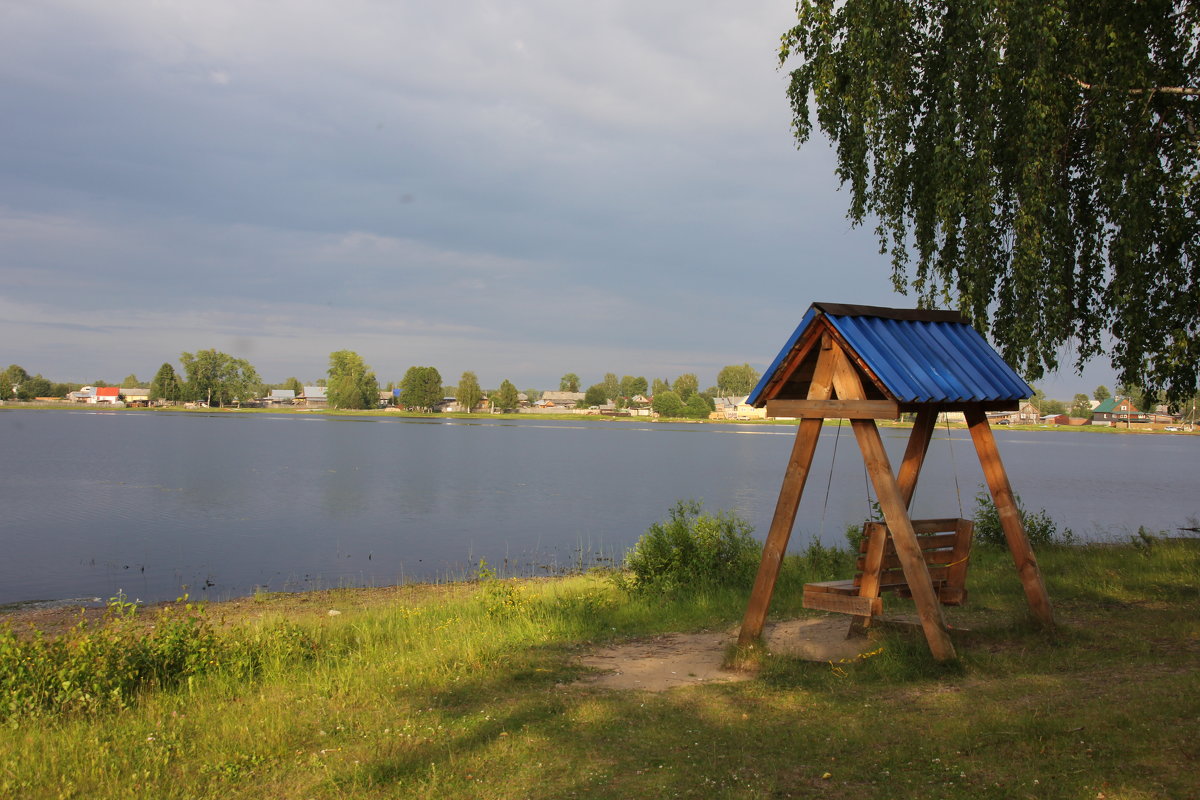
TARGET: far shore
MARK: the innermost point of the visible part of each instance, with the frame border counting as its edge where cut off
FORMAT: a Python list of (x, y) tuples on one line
[(570, 416)]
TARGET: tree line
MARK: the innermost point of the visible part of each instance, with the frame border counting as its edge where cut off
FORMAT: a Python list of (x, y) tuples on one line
[(220, 379)]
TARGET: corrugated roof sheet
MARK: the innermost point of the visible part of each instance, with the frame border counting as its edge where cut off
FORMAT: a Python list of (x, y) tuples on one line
[(918, 356)]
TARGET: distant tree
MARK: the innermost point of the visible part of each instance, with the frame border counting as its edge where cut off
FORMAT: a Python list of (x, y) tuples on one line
[(421, 388), (468, 392), (1101, 393), (352, 384), (737, 381), (596, 395), (11, 380), (295, 385), (668, 404), (1081, 406), (130, 382), (219, 378), (533, 395), (1052, 406), (686, 385), (658, 386), (633, 386), (612, 386), (505, 398), (61, 389), (569, 383), (34, 387), (166, 385), (697, 407)]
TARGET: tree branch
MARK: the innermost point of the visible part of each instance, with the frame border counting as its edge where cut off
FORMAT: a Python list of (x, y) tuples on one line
[(1184, 91)]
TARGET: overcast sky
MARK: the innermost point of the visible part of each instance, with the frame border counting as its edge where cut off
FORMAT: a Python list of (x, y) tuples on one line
[(521, 189)]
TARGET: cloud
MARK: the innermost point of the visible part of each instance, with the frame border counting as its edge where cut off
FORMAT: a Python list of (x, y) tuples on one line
[(521, 189)]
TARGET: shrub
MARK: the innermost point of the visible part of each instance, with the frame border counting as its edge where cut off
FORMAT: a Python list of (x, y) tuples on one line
[(690, 549), (1039, 528)]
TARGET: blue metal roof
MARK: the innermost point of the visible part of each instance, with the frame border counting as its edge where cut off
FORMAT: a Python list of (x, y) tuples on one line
[(918, 356)]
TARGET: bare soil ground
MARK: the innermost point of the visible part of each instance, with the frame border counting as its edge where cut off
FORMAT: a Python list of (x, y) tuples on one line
[(679, 659)]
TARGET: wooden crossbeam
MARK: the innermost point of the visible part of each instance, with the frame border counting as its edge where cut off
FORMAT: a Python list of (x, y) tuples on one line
[(834, 409)]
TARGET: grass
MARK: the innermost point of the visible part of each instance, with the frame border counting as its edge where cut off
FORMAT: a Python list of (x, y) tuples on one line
[(468, 691)]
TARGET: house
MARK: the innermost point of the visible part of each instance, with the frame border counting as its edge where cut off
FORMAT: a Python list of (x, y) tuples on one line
[(136, 396), (314, 397), (1027, 414), (280, 397), (726, 407), (747, 411), (1116, 410), (83, 395), (106, 395), (560, 399)]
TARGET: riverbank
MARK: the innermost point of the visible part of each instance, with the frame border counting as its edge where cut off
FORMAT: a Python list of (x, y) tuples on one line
[(475, 690), (573, 417)]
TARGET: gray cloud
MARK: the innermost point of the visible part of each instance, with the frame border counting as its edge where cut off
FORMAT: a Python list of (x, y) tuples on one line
[(520, 189)]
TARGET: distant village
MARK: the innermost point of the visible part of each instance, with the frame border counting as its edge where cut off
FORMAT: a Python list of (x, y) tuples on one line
[(1116, 411)]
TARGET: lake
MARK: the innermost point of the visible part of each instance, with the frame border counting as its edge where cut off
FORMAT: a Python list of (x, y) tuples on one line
[(219, 505)]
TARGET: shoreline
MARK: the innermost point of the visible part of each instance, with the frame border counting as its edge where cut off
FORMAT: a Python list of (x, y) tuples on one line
[(559, 417)]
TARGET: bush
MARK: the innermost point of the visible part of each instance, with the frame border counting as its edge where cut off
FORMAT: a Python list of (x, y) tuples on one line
[(690, 550), (1039, 528)]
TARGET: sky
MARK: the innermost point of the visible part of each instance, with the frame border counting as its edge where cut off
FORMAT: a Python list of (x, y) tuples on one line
[(520, 189)]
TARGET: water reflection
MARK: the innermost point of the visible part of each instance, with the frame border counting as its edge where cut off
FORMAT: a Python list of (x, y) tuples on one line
[(153, 502)]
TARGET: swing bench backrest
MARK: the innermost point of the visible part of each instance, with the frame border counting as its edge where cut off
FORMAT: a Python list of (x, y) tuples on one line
[(945, 544)]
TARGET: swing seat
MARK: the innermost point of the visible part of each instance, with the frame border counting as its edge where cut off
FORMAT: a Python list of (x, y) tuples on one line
[(946, 546)]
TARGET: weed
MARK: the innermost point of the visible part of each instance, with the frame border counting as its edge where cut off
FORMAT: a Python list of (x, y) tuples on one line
[(689, 550), (501, 598), (1039, 528)]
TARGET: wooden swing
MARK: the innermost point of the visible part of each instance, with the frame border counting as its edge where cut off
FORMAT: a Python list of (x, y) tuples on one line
[(864, 363)]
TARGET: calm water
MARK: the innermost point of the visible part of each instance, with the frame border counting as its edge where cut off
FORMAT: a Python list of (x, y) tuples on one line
[(217, 505)]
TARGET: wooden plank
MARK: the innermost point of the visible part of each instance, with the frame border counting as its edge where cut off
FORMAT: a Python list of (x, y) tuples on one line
[(946, 525), (834, 409), (934, 558), (914, 453), (841, 603), (1010, 517), (833, 587), (795, 476), (895, 512)]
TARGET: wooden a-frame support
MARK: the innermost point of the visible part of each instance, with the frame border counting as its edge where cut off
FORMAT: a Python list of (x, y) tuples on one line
[(834, 373)]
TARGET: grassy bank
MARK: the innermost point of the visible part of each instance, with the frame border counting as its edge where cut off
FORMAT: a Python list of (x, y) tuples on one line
[(467, 691)]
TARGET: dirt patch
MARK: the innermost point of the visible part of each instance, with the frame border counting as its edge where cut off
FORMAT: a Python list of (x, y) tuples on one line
[(681, 659)]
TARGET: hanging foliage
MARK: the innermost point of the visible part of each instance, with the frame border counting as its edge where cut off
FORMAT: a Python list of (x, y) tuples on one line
[(1033, 163)]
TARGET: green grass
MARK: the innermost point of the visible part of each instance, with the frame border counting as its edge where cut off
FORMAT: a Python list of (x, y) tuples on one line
[(468, 691)]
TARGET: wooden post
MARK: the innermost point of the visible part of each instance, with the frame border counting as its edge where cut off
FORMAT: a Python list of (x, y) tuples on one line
[(910, 470), (895, 511), (876, 537), (914, 454), (789, 501), (1010, 516)]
